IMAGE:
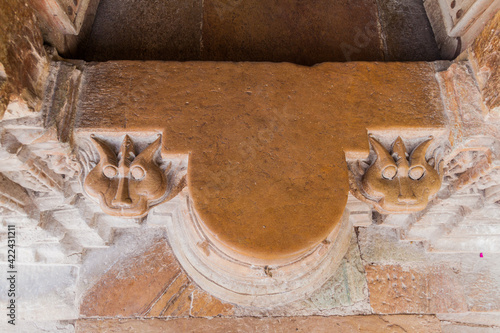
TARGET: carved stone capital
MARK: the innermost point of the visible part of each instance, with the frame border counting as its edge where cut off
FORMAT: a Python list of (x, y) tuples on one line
[(128, 175), (397, 180)]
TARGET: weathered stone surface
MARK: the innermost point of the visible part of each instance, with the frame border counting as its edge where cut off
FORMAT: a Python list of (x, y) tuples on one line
[(292, 31), (463, 103), (406, 31), (381, 244), (43, 292), (279, 131), (241, 30), (470, 322), (39, 326), (122, 290), (149, 284), (347, 287), (480, 277), (278, 325), (394, 289), (345, 293), (486, 58), (23, 63), (148, 30)]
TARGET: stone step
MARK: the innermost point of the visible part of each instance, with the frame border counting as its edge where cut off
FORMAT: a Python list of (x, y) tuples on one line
[(475, 230), (438, 218), (51, 254), (425, 232), (471, 201), (106, 225), (30, 236), (478, 244), (70, 219)]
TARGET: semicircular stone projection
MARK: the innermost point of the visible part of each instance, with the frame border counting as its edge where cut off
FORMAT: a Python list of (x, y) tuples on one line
[(267, 142)]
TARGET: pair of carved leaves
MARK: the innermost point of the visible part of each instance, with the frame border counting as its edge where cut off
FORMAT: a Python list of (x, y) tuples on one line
[(128, 184)]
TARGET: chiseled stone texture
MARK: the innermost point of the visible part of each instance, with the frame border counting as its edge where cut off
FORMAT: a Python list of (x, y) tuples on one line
[(403, 277), (149, 284), (282, 141), (379, 243), (394, 289), (23, 62), (470, 322), (144, 30), (406, 31), (486, 58), (145, 281), (295, 31), (43, 292), (352, 324), (345, 293)]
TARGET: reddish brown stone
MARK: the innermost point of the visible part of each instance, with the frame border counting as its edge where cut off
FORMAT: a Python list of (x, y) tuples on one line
[(486, 58), (394, 289), (267, 142), (148, 30), (350, 324), (407, 31), (23, 62), (205, 305), (130, 288), (294, 31), (150, 284)]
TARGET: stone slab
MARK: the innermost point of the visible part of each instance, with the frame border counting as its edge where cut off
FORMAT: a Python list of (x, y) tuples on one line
[(294, 31), (118, 288), (144, 30), (406, 31), (149, 284), (394, 289), (372, 324), (266, 141)]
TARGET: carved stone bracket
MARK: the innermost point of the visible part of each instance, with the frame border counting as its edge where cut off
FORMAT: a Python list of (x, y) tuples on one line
[(397, 180), (240, 279), (128, 175)]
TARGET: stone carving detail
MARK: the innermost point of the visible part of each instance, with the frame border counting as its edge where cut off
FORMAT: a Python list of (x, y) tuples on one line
[(14, 199), (399, 182), (467, 167), (127, 183)]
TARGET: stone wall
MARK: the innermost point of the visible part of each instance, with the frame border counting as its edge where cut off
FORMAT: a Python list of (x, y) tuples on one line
[(79, 269)]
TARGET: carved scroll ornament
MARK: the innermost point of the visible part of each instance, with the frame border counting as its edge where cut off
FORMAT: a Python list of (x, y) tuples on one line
[(126, 184), (399, 182)]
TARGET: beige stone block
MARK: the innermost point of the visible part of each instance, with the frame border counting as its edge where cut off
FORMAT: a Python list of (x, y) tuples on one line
[(349, 324), (394, 289), (382, 244)]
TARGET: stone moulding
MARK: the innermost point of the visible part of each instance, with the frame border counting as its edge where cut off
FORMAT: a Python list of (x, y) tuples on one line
[(245, 280), (397, 181), (128, 176)]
